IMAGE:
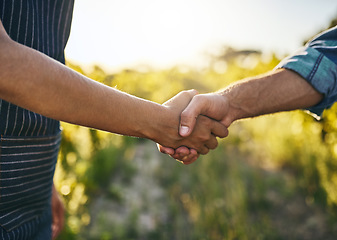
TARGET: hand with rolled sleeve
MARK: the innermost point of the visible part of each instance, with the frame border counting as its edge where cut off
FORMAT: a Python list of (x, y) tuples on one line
[(279, 90), (304, 80)]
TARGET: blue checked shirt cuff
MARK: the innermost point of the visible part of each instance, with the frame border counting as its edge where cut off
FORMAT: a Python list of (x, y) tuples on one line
[(319, 71)]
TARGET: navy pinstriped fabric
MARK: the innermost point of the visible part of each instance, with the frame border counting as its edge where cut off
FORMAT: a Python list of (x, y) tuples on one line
[(27, 167), (28, 231), (43, 25), (30, 141)]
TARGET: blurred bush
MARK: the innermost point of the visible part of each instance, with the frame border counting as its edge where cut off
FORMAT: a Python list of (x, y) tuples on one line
[(217, 196)]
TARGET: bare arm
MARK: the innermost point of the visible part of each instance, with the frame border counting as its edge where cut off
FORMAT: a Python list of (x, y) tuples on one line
[(280, 90), (36, 82)]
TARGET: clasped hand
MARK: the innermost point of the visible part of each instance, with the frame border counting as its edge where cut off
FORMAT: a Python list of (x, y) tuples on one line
[(202, 119)]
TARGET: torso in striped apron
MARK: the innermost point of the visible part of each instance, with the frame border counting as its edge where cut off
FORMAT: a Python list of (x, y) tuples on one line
[(29, 141)]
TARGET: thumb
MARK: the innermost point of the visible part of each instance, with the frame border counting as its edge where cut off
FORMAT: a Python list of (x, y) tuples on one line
[(188, 117)]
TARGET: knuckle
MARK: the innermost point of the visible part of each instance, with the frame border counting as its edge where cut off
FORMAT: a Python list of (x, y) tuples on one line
[(187, 115), (201, 100), (214, 145), (192, 92), (205, 151), (184, 92), (189, 93), (223, 133)]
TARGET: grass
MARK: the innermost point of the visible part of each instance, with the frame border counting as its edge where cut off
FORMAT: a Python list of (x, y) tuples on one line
[(274, 177), (221, 196)]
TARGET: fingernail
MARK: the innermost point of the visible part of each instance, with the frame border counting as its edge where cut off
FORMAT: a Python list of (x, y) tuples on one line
[(184, 130)]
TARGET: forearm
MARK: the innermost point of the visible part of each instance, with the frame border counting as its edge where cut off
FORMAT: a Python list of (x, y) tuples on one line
[(38, 83), (280, 90)]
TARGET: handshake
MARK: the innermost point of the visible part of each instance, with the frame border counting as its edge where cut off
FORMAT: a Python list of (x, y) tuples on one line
[(201, 119), (204, 117)]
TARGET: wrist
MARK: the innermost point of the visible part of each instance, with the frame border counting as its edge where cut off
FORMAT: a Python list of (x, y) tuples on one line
[(233, 109), (161, 127)]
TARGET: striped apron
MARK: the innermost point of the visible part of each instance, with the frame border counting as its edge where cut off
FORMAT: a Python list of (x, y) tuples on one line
[(29, 142)]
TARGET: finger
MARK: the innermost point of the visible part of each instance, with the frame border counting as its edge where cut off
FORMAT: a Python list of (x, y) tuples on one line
[(55, 227), (188, 94), (219, 129), (57, 215), (54, 230), (189, 115), (186, 160), (212, 143), (192, 157), (192, 160), (61, 219), (166, 150), (194, 152), (203, 150), (192, 92), (205, 137), (184, 96), (183, 151), (184, 154), (175, 156)]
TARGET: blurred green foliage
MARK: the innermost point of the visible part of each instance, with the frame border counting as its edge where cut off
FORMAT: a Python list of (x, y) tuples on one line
[(238, 191)]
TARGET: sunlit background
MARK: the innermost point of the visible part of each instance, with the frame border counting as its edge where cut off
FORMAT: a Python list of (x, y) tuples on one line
[(274, 177), (123, 33)]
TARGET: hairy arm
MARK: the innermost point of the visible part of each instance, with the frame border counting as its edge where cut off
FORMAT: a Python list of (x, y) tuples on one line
[(36, 82), (279, 90)]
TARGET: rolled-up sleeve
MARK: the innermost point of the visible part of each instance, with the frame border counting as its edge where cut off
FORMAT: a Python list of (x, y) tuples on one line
[(316, 63)]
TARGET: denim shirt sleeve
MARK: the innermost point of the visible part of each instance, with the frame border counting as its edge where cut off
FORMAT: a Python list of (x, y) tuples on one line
[(317, 63)]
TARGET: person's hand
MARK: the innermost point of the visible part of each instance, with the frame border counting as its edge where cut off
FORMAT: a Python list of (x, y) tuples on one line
[(182, 154), (57, 213), (212, 105), (203, 136)]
